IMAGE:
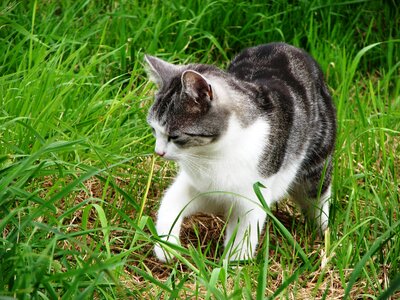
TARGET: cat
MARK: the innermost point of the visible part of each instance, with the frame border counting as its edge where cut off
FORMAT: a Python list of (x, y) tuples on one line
[(268, 118)]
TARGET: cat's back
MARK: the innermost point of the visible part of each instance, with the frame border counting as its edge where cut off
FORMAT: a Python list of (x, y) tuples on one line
[(291, 91), (274, 61)]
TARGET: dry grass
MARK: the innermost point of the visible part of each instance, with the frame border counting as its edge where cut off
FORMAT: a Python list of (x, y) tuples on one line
[(205, 232)]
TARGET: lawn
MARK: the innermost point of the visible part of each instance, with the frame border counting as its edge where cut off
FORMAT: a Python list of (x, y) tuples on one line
[(80, 186)]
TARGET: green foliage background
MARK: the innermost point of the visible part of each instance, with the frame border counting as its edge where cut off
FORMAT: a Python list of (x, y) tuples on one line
[(78, 183)]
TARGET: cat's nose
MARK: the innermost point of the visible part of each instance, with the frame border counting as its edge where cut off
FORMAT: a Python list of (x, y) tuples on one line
[(160, 153)]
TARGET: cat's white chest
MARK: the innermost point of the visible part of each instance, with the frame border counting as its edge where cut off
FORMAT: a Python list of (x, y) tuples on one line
[(233, 162)]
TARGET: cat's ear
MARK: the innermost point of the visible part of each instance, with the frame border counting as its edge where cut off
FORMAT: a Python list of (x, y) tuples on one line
[(160, 71), (196, 85)]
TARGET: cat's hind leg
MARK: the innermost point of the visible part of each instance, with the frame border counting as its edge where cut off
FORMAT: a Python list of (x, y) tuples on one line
[(314, 201), (321, 212)]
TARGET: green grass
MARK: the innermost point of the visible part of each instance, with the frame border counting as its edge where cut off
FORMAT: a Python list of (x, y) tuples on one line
[(79, 186)]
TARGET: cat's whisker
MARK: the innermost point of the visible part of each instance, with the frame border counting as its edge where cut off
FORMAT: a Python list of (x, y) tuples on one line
[(196, 166), (201, 156)]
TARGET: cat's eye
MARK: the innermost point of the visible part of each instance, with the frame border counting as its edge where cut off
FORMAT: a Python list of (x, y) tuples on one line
[(172, 138), (201, 135)]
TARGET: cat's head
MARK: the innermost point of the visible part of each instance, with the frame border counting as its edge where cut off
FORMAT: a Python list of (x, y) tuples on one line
[(187, 117)]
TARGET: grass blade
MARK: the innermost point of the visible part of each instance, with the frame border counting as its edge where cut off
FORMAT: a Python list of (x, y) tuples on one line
[(378, 244)]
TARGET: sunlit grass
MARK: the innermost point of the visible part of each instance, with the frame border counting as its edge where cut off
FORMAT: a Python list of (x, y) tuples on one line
[(79, 187)]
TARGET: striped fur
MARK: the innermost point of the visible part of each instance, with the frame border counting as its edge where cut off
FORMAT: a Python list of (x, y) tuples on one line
[(268, 118)]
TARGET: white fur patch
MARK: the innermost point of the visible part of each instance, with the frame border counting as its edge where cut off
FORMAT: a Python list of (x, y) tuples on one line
[(219, 178), (229, 164)]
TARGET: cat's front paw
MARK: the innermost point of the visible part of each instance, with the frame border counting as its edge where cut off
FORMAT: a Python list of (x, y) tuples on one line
[(240, 256), (161, 254)]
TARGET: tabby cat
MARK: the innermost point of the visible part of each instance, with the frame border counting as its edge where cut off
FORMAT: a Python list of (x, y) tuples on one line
[(268, 118)]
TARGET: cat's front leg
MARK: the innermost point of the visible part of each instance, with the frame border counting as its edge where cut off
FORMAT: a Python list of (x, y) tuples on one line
[(175, 205), (242, 233)]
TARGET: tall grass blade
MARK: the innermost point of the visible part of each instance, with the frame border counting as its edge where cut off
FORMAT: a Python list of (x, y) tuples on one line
[(378, 244), (393, 288)]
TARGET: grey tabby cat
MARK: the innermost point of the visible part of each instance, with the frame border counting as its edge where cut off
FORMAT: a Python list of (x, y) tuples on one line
[(269, 118)]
